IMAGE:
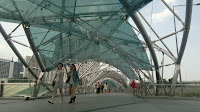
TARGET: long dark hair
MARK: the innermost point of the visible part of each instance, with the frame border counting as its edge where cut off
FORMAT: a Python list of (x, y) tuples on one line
[(61, 64), (74, 67)]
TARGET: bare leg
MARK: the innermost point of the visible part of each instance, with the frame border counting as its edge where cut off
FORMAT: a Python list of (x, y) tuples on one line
[(73, 91), (133, 91), (69, 90), (54, 93), (61, 93)]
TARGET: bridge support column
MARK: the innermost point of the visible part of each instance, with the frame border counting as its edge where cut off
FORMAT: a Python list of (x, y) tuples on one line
[(188, 16)]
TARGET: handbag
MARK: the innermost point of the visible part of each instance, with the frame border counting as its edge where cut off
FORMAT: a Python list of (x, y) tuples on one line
[(67, 81), (53, 83)]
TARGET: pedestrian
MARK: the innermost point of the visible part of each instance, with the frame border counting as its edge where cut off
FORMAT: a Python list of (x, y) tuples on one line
[(102, 87), (73, 79), (98, 88), (58, 83), (106, 87), (133, 87)]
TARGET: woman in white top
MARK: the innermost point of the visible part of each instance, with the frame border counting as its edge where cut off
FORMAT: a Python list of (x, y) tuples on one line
[(58, 80), (106, 87)]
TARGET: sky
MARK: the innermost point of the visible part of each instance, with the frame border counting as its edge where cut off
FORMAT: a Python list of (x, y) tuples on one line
[(162, 22)]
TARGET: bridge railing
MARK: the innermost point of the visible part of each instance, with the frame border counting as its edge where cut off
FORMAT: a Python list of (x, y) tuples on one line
[(25, 88), (185, 90)]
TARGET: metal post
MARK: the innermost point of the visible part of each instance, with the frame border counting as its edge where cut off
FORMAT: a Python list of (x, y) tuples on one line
[(188, 17), (35, 89), (2, 88), (181, 82), (175, 34), (162, 63), (6, 37)]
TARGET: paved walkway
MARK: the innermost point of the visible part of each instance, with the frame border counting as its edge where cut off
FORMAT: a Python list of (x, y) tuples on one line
[(102, 103)]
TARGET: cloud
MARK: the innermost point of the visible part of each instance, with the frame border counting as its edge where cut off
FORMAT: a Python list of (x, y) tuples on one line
[(2, 46), (161, 16), (170, 1)]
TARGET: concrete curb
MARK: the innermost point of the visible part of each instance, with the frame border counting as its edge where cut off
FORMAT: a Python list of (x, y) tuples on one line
[(12, 98), (40, 97), (169, 97)]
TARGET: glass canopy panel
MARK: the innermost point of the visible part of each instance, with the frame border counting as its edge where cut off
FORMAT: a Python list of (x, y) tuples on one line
[(72, 31)]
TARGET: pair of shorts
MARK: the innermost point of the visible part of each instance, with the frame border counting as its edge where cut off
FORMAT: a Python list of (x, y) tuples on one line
[(59, 85), (70, 85)]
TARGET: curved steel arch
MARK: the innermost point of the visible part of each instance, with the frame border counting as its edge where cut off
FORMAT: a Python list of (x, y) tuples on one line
[(40, 22), (146, 38), (151, 44), (113, 80), (112, 75), (189, 4)]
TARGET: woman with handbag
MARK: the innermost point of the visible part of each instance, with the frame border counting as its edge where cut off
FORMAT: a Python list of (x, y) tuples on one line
[(73, 79), (58, 82)]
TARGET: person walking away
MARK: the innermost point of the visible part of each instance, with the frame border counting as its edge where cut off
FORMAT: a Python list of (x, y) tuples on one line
[(133, 87), (98, 88), (73, 79), (58, 83), (102, 87)]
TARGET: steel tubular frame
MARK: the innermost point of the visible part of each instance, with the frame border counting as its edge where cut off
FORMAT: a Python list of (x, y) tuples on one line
[(155, 33), (148, 42), (34, 49), (146, 38), (101, 76), (188, 15), (151, 44), (12, 46)]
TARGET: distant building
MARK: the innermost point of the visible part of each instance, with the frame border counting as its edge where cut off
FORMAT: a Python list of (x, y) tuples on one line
[(18, 70), (6, 68), (11, 69), (34, 65), (48, 77)]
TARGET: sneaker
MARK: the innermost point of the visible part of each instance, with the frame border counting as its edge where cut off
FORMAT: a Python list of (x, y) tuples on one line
[(50, 102)]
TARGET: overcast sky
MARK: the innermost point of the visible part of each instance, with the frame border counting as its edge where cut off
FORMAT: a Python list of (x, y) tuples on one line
[(162, 22)]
